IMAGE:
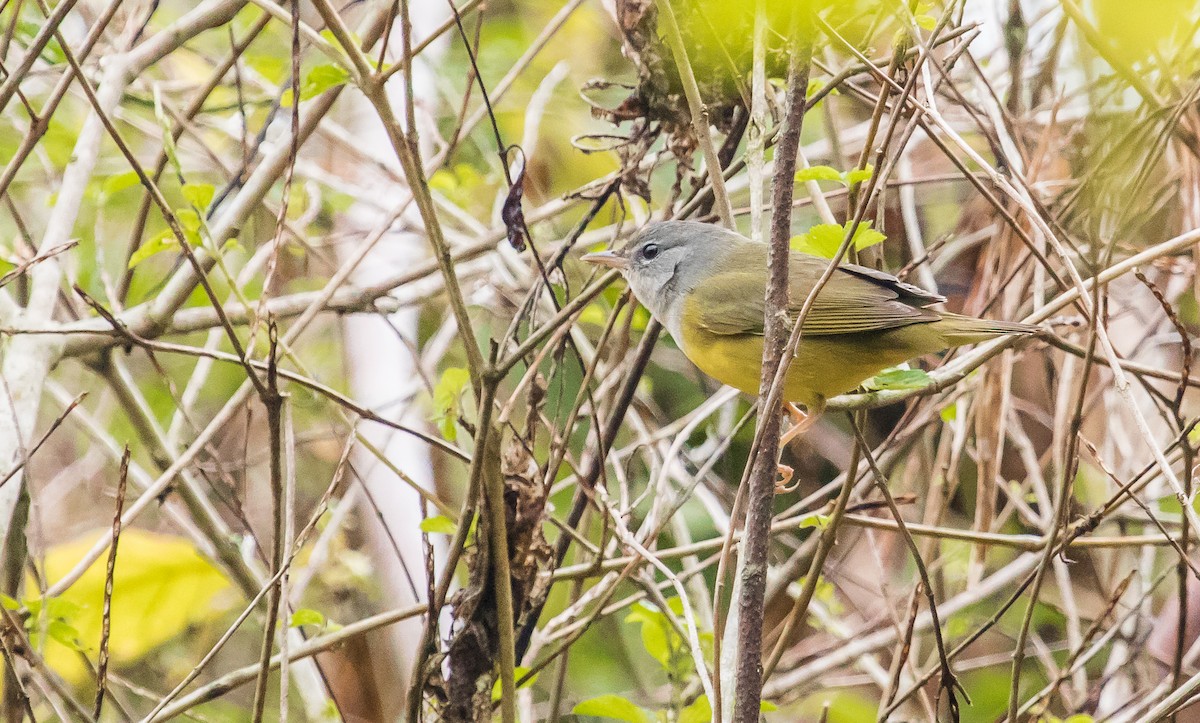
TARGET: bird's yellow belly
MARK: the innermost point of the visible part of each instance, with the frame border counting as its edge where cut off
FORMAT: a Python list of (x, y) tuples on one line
[(824, 366)]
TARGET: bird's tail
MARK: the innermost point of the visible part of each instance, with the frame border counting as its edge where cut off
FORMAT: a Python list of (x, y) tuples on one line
[(957, 329)]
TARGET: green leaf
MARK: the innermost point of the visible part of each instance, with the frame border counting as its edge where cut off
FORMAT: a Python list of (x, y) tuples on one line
[(199, 194), (9, 603), (272, 66), (949, 413), (306, 616), (825, 239), (928, 22), (821, 240), (593, 314), (614, 707), (519, 672), (656, 632), (191, 224), (168, 137), (447, 396), (700, 711), (900, 379), (818, 173), (866, 237), (818, 521), (440, 525), (320, 79), (162, 588), (116, 183), (164, 241), (858, 175), (65, 634)]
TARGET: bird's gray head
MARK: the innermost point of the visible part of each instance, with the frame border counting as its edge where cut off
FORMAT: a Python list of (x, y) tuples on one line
[(667, 260)]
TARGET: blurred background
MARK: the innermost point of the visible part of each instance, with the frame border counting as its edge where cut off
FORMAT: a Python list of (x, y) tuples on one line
[(1018, 145)]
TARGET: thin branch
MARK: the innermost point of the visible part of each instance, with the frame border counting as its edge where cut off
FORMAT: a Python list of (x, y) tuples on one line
[(699, 111)]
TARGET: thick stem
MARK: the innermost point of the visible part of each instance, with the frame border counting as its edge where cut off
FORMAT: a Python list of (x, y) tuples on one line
[(761, 492)]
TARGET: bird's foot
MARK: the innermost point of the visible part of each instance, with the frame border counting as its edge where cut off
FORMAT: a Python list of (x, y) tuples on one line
[(801, 423), (784, 484)]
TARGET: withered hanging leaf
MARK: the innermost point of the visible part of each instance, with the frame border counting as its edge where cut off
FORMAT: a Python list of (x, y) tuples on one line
[(512, 214), (599, 142), (598, 94)]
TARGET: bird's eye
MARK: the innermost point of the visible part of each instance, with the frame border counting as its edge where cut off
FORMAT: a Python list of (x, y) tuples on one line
[(649, 251)]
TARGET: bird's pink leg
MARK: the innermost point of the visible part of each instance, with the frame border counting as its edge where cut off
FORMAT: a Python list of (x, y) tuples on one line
[(801, 423)]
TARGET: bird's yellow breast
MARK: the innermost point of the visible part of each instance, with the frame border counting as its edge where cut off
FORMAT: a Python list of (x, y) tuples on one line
[(824, 366)]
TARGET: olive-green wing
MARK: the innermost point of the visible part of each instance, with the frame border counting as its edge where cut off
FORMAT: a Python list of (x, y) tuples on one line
[(855, 300)]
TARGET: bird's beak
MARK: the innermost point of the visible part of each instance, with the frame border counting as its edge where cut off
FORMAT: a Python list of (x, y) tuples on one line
[(611, 259)]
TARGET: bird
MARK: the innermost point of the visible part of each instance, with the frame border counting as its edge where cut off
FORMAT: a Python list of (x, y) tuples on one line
[(707, 286)]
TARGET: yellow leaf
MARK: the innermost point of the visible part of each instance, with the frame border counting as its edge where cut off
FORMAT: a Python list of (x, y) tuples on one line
[(161, 587)]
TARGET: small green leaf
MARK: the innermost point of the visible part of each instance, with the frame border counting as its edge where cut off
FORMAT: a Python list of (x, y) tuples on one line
[(9, 603), (818, 173), (767, 706), (320, 79), (119, 182), (928, 22), (641, 318), (64, 633), (440, 525), (866, 237), (825, 239), (189, 223), (1170, 505), (821, 240), (164, 241), (306, 616), (446, 400), (900, 379), (519, 672), (858, 175), (700, 711), (593, 314), (949, 413), (657, 633), (189, 220), (272, 66), (615, 707), (199, 194), (818, 521), (168, 136)]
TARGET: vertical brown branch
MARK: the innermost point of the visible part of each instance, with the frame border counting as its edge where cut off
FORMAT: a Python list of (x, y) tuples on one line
[(273, 401), (106, 616), (748, 682)]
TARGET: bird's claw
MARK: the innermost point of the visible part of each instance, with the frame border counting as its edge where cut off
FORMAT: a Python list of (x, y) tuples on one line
[(801, 423), (785, 477)]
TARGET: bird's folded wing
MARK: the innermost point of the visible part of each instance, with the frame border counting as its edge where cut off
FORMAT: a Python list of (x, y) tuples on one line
[(731, 303)]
